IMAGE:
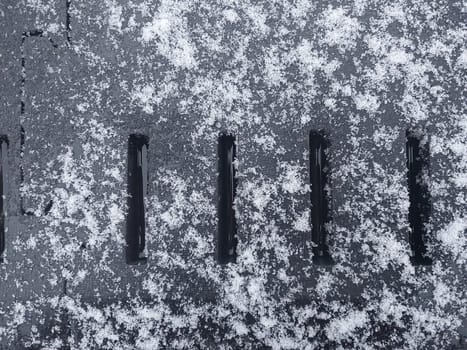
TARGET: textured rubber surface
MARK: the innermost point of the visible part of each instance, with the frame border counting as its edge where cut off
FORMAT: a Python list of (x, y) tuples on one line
[(78, 77)]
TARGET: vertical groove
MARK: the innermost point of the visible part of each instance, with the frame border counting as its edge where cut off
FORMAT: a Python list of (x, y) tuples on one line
[(319, 200), (68, 21), (419, 196), (27, 34), (21, 121), (227, 226), (3, 162), (137, 188)]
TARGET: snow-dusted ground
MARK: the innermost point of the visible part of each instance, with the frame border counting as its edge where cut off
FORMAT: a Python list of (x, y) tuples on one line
[(268, 71)]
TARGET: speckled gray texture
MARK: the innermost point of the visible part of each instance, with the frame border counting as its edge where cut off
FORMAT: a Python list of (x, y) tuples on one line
[(180, 72)]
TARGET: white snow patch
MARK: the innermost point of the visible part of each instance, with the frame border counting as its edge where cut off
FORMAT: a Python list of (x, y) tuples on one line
[(302, 222), (453, 237), (292, 181), (145, 95), (342, 30), (267, 142), (341, 328), (240, 328), (258, 18), (274, 69), (367, 102), (443, 294), (231, 15), (385, 136), (115, 17), (399, 56), (462, 59), (169, 31)]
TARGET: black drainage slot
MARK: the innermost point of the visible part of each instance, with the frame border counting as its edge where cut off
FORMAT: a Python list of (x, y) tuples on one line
[(226, 187), (137, 188), (319, 168), (68, 21), (3, 163), (420, 200)]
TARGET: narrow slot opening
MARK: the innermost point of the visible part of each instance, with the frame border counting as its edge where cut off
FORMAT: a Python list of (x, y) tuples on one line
[(3, 190), (226, 188), (137, 189), (68, 21), (319, 168), (417, 149)]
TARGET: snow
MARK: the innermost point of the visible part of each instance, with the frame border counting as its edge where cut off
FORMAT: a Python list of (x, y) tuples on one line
[(345, 326), (341, 29), (231, 15), (169, 30), (181, 72), (453, 236), (366, 102), (115, 16)]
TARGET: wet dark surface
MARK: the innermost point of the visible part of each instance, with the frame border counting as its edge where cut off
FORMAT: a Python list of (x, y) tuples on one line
[(420, 202), (226, 188), (137, 190), (76, 86), (319, 169)]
